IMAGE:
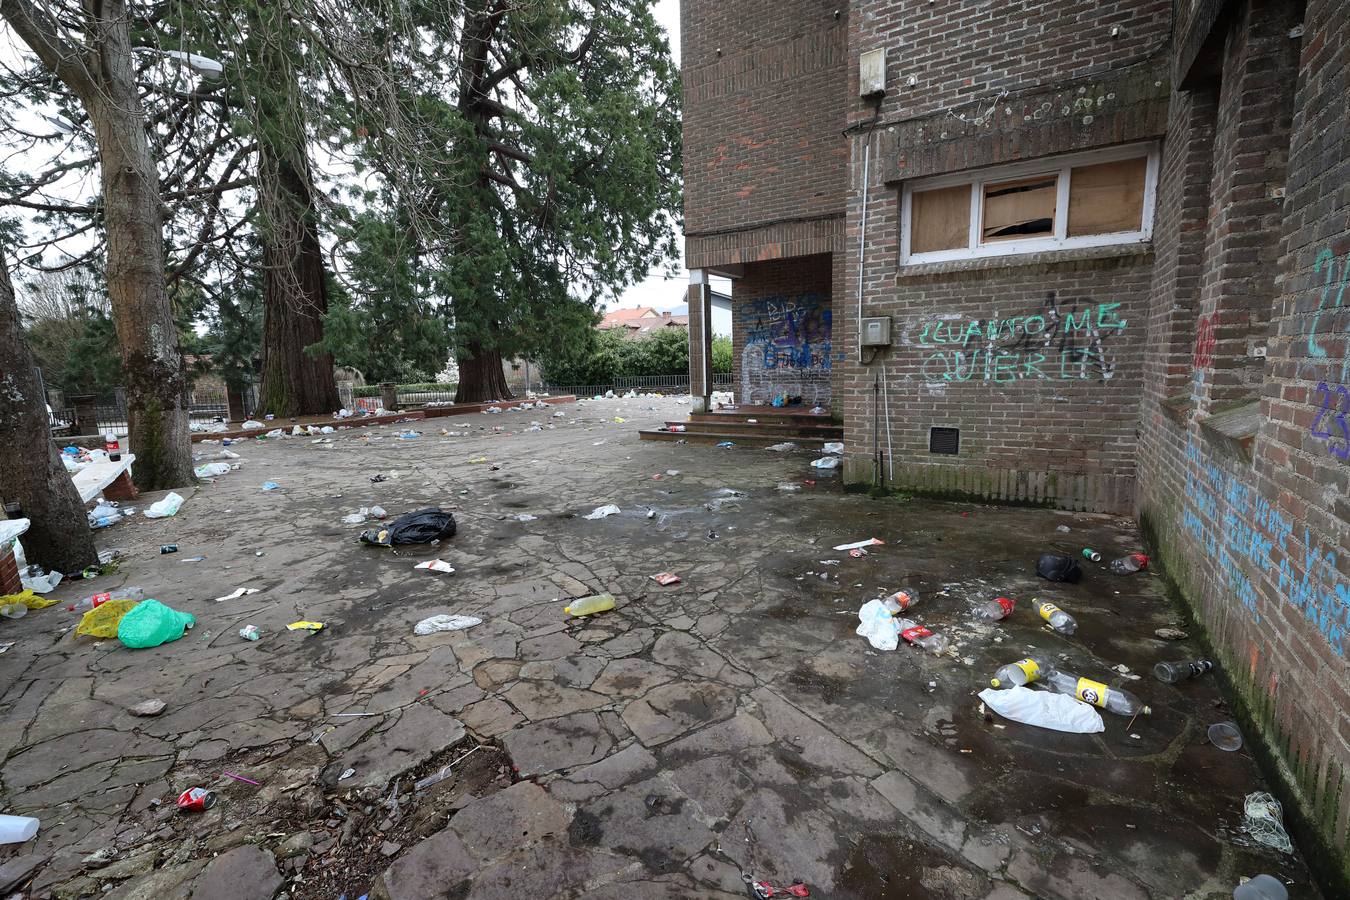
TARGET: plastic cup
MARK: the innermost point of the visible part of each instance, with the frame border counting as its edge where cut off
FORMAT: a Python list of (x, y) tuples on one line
[(17, 829), (1225, 736)]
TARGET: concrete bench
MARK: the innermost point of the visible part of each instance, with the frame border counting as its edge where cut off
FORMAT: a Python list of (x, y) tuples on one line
[(112, 479)]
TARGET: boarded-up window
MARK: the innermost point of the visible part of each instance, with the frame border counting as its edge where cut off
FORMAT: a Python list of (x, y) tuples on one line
[(1107, 198), (1014, 210), (940, 219)]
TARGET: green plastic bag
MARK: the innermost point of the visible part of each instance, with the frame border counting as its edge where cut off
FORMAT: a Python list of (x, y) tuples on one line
[(151, 623)]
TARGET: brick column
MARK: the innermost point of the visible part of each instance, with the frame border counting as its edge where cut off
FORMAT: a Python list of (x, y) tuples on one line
[(389, 396), (700, 339), (86, 422)]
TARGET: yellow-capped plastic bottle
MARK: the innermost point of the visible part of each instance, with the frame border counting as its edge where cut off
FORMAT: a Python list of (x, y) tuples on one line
[(589, 606)]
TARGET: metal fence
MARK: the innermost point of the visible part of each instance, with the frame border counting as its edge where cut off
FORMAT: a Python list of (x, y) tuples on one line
[(644, 384), (110, 410)]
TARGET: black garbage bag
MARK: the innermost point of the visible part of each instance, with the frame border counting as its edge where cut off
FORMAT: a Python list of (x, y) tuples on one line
[(1058, 567), (421, 527)]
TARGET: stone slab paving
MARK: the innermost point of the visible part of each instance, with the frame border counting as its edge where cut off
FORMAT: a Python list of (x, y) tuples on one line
[(730, 725)]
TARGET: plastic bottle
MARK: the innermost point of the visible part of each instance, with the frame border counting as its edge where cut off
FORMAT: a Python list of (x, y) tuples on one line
[(919, 636), (900, 601), (1024, 671), (13, 610), (995, 610), (111, 446), (1122, 703), (1128, 565), (1090, 554), (1172, 672), (129, 593), (17, 829), (590, 605), (1058, 618)]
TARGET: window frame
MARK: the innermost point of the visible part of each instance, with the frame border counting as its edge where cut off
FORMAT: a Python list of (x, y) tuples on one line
[(1061, 166)]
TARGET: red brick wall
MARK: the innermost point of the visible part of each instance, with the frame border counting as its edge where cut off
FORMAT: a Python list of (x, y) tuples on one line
[(1244, 476), (764, 105)]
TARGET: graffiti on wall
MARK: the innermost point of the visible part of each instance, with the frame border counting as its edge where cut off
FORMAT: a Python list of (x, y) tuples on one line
[(1243, 533), (1329, 300), (787, 347), (1065, 342), (1330, 425)]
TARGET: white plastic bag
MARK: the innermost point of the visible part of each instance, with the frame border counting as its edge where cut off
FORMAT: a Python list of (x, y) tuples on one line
[(445, 623), (603, 512), (878, 626), (253, 425), (834, 447), (1058, 712), (166, 507), (212, 470), (783, 447), (825, 462)]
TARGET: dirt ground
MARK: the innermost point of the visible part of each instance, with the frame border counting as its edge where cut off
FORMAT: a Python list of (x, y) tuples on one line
[(731, 726)]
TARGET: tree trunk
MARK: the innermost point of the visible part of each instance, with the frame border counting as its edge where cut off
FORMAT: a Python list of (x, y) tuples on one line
[(481, 377), (295, 295), (33, 474), (152, 365)]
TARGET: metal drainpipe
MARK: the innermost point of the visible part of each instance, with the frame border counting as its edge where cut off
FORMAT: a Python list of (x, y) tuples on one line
[(862, 235)]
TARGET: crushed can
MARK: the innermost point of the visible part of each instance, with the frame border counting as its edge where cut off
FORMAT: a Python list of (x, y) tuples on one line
[(168, 548), (197, 799)]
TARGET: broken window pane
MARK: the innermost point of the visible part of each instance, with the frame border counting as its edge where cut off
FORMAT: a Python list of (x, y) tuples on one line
[(1014, 210), (1107, 198), (940, 219)]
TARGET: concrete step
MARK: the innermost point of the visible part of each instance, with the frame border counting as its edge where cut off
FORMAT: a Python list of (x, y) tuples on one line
[(827, 431), (768, 416), (744, 441)]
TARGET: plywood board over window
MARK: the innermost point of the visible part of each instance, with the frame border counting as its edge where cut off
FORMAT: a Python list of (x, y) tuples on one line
[(1020, 209), (941, 219), (1107, 198)]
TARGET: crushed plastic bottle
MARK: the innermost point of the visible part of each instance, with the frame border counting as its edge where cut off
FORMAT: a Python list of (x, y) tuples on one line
[(1115, 700), (1022, 672), (995, 610), (920, 636), (1128, 565), (900, 601), (590, 605), (1058, 618), (1172, 672)]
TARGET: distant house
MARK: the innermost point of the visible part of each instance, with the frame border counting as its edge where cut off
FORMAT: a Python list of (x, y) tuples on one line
[(641, 321)]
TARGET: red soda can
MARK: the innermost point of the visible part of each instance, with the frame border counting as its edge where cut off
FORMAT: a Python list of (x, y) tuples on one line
[(197, 799)]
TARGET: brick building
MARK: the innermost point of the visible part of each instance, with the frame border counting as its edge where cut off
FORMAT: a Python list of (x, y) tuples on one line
[(1111, 242)]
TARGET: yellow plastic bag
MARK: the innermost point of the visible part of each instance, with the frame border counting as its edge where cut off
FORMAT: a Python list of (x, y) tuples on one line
[(28, 599), (102, 620), (305, 626)]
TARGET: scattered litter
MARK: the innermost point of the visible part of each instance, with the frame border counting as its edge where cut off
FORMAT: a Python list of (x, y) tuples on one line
[(242, 778), (726, 445), (147, 708), (305, 626), (1171, 634), (376, 479), (439, 776), (1057, 618), (590, 605), (602, 512), (102, 621), (833, 447), (666, 578), (196, 799), (789, 486), (150, 623), (253, 425), (825, 462), (269, 486), (784, 447), (212, 470), (525, 517), (1172, 672), (1058, 567), (6, 645), (421, 527), (168, 548), (193, 559), (445, 623), (436, 565), (17, 829), (877, 625), (1129, 564), (870, 542), (857, 553), (237, 593), (250, 633), (672, 472), (1262, 821), (166, 507), (478, 460), (1043, 709), (1064, 528), (350, 772), (409, 435), (1091, 555), (1262, 887), (1225, 736)]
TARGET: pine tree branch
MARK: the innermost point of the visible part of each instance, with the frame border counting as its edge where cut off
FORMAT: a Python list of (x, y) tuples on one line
[(42, 33)]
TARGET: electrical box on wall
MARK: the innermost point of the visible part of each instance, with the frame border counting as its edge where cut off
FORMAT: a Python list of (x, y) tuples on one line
[(872, 72), (876, 332)]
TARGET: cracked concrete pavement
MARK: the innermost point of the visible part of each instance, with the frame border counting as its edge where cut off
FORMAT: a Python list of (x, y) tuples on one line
[(729, 724)]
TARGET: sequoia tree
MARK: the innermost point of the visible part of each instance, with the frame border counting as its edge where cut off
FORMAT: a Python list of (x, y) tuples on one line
[(88, 50), (33, 474)]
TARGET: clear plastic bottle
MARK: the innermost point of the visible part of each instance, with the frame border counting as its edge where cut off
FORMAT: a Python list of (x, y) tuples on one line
[(1128, 565), (1058, 618), (1172, 672), (1262, 887), (1024, 671), (919, 636), (590, 605), (1120, 702), (900, 601), (995, 610)]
